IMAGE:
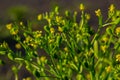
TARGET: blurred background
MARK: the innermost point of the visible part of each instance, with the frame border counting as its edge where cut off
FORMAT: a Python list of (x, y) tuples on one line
[(20, 10)]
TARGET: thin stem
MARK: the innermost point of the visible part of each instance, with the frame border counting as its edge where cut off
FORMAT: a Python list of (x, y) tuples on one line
[(16, 77), (54, 64), (107, 24)]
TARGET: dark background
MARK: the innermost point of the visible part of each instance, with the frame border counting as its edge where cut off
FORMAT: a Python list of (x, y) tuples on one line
[(34, 7)]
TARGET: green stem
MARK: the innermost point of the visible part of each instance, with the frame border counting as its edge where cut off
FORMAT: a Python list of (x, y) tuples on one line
[(92, 75), (16, 77), (54, 65), (107, 24)]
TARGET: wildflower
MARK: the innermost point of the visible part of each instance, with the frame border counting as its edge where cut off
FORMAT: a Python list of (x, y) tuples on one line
[(33, 45), (43, 59), (108, 69), (118, 57), (105, 39), (18, 46), (52, 30), (28, 78), (82, 7), (37, 34), (66, 49), (76, 59), (58, 67), (60, 29), (117, 30), (103, 48), (9, 26), (28, 39), (14, 32), (49, 20), (87, 16), (58, 18), (98, 12), (39, 17), (21, 23), (51, 40), (111, 8), (88, 76)]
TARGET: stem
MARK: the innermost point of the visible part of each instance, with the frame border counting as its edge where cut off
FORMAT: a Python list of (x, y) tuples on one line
[(107, 24), (54, 65), (92, 74), (16, 77), (96, 35)]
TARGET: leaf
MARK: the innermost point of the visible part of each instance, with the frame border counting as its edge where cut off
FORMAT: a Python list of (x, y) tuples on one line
[(58, 40), (109, 31), (117, 21), (36, 73), (46, 29), (79, 77), (2, 52), (95, 46), (19, 59), (10, 56)]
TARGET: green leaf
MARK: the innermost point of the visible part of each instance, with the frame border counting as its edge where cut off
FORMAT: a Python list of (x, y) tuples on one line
[(109, 31), (79, 77), (95, 46), (117, 21), (36, 73), (2, 52), (58, 40), (46, 29), (19, 59), (10, 56)]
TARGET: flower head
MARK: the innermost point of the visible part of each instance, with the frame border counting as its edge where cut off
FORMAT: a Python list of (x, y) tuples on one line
[(82, 7), (37, 34), (66, 49), (103, 48), (105, 39), (43, 59), (58, 67), (108, 69), (111, 8), (117, 30), (39, 17), (28, 78), (58, 18), (118, 57), (87, 16), (14, 31), (98, 12), (60, 29), (9, 26), (52, 30), (21, 23), (18, 46)]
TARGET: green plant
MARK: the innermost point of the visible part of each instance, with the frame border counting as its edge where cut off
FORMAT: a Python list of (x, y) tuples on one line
[(72, 49)]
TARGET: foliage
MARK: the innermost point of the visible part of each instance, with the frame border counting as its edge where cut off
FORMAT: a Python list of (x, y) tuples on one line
[(72, 49)]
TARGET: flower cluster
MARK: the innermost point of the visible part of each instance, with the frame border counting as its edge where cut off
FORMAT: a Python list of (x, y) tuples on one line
[(66, 48)]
